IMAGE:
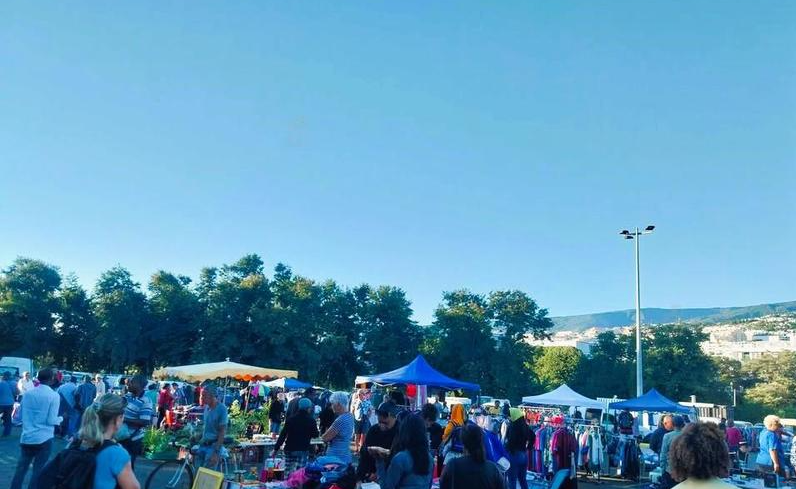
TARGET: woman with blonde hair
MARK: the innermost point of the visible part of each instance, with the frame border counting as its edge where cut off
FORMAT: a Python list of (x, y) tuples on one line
[(101, 420), (771, 457)]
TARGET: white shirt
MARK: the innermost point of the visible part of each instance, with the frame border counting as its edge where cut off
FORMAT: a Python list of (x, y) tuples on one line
[(24, 386), (39, 415), (100, 388)]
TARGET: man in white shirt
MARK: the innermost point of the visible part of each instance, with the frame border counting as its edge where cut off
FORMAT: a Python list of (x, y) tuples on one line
[(100, 385), (39, 419), (25, 384)]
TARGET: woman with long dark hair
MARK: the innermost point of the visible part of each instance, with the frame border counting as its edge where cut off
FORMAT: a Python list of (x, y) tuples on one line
[(473, 470), (410, 467)]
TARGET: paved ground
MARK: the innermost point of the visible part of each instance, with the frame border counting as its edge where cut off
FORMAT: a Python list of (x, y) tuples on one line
[(9, 452)]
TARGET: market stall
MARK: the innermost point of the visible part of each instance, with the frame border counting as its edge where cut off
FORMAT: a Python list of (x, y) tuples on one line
[(652, 401), (563, 395), (418, 373), (287, 384), (221, 370)]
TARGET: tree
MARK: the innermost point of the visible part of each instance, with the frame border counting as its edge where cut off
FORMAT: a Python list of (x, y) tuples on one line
[(28, 304), (609, 370), (338, 337), (676, 365), (174, 310), (390, 338), (774, 380), (515, 317), (123, 323), (557, 365), (76, 329), (461, 340)]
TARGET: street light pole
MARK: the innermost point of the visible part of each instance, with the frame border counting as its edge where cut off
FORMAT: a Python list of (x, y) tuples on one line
[(639, 369), (639, 360)]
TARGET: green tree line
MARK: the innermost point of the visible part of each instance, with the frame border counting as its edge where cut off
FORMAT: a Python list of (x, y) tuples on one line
[(331, 333), (327, 332)]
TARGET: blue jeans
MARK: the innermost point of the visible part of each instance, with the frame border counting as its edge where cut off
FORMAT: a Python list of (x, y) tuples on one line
[(38, 454), (518, 470), (275, 427)]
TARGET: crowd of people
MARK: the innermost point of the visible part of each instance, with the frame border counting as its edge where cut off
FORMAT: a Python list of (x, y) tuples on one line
[(392, 445)]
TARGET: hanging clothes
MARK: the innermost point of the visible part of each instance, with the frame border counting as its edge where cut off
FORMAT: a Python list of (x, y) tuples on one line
[(563, 447)]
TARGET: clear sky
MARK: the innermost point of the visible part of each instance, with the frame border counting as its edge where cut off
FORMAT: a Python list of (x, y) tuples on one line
[(427, 145)]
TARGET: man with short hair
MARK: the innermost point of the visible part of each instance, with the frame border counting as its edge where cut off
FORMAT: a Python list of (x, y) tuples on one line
[(25, 384), (378, 441), (137, 416), (215, 420), (99, 386), (84, 396), (665, 425), (292, 406), (678, 423), (67, 393), (8, 392), (39, 419)]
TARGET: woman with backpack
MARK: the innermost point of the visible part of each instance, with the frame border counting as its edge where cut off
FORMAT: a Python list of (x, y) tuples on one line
[(101, 421), (94, 460)]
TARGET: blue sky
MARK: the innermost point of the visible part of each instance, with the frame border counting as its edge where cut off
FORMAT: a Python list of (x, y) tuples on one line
[(427, 145)]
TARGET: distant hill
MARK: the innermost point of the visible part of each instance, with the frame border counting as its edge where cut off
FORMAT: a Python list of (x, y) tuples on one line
[(660, 316)]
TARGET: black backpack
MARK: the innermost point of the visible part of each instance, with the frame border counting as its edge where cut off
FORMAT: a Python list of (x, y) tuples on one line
[(72, 468)]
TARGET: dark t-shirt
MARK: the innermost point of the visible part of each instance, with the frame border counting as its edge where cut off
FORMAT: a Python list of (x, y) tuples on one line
[(435, 435), (375, 437), (656, 439), (464, 473), (276, 410), (299, 431)]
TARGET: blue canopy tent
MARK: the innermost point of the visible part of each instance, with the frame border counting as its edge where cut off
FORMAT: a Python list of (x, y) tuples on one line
[(652, 401), (418, 372), (288, 384)]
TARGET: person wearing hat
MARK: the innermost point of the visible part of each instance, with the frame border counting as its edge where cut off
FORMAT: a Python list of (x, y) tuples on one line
[(518, 439), (299, 431), (375, 452), (292, 406)]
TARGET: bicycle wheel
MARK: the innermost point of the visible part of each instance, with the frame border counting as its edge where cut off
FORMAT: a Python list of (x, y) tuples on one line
[(171, 474)]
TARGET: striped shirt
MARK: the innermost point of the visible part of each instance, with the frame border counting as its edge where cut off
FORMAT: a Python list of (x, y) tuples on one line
[(340, 445), (138, 408)]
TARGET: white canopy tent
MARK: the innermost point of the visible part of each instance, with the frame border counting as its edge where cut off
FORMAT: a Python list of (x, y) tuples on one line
[(219, 370), (563, 396)]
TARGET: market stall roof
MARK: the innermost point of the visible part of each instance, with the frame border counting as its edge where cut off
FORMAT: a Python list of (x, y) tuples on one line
[(418, 372), (563, 395), (288, 384), (652, 401), (220, 370)]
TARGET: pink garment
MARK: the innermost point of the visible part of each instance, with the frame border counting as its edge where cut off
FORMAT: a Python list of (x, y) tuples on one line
[(734, 437)]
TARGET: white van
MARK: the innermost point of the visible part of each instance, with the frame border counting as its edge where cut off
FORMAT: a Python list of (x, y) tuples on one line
[(16, 365)]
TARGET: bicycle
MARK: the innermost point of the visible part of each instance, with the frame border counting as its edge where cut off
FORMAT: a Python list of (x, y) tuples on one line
[(180, 474)]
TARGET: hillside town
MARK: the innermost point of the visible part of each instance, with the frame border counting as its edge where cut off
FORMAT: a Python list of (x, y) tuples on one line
[(738, 340)]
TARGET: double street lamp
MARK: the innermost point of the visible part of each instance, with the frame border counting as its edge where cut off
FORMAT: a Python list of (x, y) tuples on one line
[(639, 370)]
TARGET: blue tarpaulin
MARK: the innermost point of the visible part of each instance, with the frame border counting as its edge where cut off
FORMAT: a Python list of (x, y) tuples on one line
[(288, 384), (418, 372), (651, 401)]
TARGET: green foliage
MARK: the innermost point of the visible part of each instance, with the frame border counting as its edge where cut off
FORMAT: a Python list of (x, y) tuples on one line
[(483, 339), (156, 440), (557, 365), (28, 302), (774, 379)]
